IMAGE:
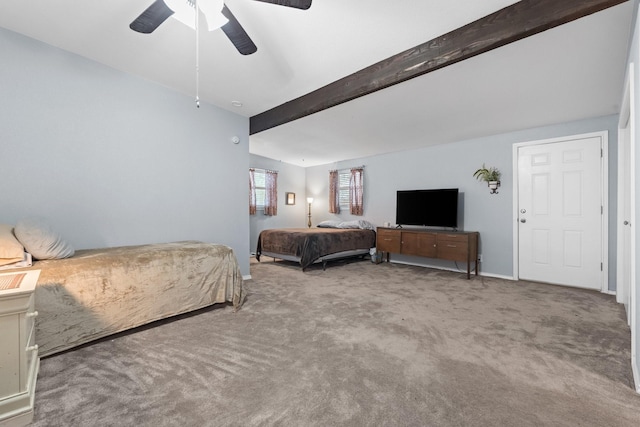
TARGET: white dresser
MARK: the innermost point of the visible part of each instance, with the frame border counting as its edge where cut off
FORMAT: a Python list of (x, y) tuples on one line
[(19, 360)]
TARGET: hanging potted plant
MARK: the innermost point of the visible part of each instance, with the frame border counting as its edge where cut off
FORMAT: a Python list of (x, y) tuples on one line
[(490, 175)]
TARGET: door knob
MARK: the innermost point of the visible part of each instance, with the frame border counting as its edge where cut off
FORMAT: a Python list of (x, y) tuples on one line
[(626, 223), (523, 220)]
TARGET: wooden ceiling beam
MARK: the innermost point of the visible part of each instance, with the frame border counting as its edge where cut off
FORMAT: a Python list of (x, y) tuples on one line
[(518, 21)]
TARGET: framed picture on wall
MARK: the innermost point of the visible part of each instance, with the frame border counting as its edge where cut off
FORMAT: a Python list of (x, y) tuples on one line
[(290, 198)]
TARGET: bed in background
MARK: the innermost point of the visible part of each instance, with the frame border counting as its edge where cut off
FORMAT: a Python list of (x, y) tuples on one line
[(331, 240)]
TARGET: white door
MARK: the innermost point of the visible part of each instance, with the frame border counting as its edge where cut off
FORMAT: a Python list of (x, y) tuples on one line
[(560, 212), (624, 218), (626, 203)]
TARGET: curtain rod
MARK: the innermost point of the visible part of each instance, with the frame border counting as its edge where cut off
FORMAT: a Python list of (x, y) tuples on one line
[(266, 170), (352, 167)]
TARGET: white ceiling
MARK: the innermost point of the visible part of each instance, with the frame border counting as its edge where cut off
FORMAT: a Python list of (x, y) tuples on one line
[(571, 72)]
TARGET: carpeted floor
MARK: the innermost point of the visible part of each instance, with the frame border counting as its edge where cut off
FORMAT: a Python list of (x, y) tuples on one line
[(360, 345)]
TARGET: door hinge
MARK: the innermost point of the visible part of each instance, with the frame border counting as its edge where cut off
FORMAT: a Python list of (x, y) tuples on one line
[(601, 267), (601, 210)]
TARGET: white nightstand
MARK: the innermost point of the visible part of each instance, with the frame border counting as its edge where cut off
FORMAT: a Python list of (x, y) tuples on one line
[(19, 361)]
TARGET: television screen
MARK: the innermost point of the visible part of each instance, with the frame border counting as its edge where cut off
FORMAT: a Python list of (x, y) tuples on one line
[(434, 208)]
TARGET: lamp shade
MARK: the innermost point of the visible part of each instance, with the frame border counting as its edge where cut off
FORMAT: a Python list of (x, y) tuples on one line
[(309, 200)]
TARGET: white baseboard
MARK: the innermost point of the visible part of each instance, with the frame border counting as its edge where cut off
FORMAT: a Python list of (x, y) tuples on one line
[(246, 277), (498, 276), (455, 270), (609, 292)]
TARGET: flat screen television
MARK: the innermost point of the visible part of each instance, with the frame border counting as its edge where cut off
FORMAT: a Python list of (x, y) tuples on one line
[(432, 208)]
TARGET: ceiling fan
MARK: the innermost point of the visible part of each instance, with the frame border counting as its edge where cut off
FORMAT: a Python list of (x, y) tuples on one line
[(216, 13)]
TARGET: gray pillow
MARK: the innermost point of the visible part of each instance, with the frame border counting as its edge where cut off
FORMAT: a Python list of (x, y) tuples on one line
[(41, 241), (358, 223), (329, 224)]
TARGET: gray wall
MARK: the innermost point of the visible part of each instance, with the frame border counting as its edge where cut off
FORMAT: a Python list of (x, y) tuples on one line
[(452, 166), (110, 159), (291, 179)]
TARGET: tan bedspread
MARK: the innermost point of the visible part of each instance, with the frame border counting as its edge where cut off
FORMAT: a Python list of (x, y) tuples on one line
[(99, 292)]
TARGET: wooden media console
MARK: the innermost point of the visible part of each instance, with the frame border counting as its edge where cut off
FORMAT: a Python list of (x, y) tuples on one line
[(448, 245)]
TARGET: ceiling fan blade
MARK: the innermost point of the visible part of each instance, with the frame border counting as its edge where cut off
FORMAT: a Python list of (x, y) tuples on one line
[(237, 34), (298, 4), (151, 18)]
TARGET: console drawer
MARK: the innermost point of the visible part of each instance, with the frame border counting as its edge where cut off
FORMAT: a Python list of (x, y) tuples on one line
[(388, 241), (453, 247), (446, 237), (454, 251)]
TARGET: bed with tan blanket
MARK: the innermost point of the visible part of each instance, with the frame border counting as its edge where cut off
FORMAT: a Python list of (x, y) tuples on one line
[(310, 245), (99, 292)]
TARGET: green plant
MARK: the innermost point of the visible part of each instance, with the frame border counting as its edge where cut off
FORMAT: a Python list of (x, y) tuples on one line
[(487, 174)]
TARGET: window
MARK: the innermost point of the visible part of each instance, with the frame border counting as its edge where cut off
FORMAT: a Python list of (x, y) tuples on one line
[(343, 188), (261, 189), (346, 190)]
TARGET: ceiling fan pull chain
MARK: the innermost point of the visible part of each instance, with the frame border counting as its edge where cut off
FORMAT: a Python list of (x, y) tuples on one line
[(197, 57)]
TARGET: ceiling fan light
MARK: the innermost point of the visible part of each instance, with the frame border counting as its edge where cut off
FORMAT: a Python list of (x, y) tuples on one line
[(212, 10), (183, 11)]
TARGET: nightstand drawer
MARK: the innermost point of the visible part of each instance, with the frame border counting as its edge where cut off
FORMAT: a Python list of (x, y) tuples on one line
[(31, 314), (31, 350), (18, 350)]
